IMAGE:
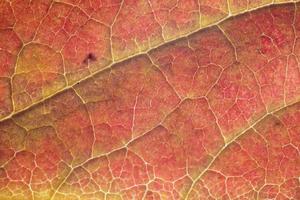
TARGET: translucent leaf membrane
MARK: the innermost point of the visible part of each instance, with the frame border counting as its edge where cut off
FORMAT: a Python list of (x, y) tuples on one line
[(97, 102)]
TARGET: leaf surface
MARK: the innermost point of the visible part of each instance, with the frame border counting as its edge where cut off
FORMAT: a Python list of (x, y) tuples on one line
[(149, 100)]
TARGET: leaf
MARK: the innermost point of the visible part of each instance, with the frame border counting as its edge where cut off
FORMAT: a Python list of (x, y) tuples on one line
[(149, 100)]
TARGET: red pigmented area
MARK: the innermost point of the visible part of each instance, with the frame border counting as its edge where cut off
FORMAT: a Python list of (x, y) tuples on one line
[(211, 115), (127, 103), (144, 33), (27, 16), (176, 17)]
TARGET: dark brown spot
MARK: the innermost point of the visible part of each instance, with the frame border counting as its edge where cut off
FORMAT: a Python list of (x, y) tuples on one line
[(237, 62), (89, 58), (277, 123)]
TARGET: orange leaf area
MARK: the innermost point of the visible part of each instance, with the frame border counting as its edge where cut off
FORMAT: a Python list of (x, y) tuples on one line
[(149, 100)]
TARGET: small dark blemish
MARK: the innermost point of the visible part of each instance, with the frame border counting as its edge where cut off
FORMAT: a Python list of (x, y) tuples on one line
[(277, 123), (237, 62), (89, 58)]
